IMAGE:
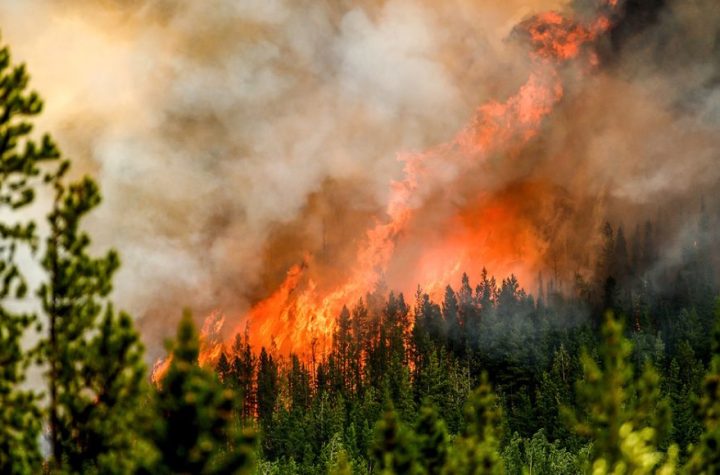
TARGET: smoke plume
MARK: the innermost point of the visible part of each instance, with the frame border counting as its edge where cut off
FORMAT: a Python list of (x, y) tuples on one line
[(235, 140)]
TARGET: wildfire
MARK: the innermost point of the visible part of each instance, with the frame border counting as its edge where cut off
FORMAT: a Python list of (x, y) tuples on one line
[(298, 317), (211, 345)]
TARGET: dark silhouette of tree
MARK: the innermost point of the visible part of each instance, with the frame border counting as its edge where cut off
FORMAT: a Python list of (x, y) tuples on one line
[(267, 388), (432, 440), (195, 431), (705, 457), (393, 449)]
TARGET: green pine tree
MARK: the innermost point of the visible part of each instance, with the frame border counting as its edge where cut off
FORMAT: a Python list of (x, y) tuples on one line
[(432, 440), (476, 451), (267, 389), (705, 458), (94, 357), (622, 425), (243, 371), (110, 425), (393, 450), (21, 162), (195, 431)]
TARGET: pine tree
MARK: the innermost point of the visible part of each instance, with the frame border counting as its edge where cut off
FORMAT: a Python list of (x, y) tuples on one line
[(705, 459), (469, 314), (19, 413), (298, 381), (21, 163), (427, 335), (94, 362), (431, 380), (243, 370), (110, 424), (432, 440), (485, 292), (342, 343), (683, 417), (651, 407), (358, 346), (621, 261), (623, 426), (393, 450), (267, 388), (452, 320), (195, 431), (223, 370), (476, 451)]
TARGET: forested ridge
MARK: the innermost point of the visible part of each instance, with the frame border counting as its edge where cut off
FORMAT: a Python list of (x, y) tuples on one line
[(619, 374)]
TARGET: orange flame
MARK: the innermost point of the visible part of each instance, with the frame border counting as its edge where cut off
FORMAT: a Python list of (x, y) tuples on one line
[(211, 346), (297, 316), (160, 369)]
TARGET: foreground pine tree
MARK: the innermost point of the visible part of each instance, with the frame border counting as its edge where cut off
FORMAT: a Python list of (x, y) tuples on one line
[(96, 374), (393, 450), (432, 440), (705, 459), (476, 451), (196, 430), (21, 163), (622, 422)]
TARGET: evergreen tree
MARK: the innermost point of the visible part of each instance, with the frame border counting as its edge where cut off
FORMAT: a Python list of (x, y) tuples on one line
[(469, 315), (111, 411), (342, 345), (620, 260), (477, 450), (539, 456), (267, 388), (432, 440), (486, 292), (452, 320), (393, 450), (243, 370), (298, 385), (705, 457), (21, 162), (195, 431), (358, 346), (623, 427), (683, 387), (223, 370), (427, 332), (94, 369)]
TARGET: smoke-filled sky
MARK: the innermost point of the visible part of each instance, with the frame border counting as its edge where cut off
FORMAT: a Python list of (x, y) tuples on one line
[(233, 138)]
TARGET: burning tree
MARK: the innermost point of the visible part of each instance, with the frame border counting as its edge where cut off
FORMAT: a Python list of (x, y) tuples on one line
[(196, 430)]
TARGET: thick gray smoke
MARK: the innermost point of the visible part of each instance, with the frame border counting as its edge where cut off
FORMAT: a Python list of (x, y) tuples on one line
[(640, 138), (230, 137)]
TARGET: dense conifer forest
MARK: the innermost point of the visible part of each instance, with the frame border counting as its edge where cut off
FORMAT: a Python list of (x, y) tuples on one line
[(618, 374)]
